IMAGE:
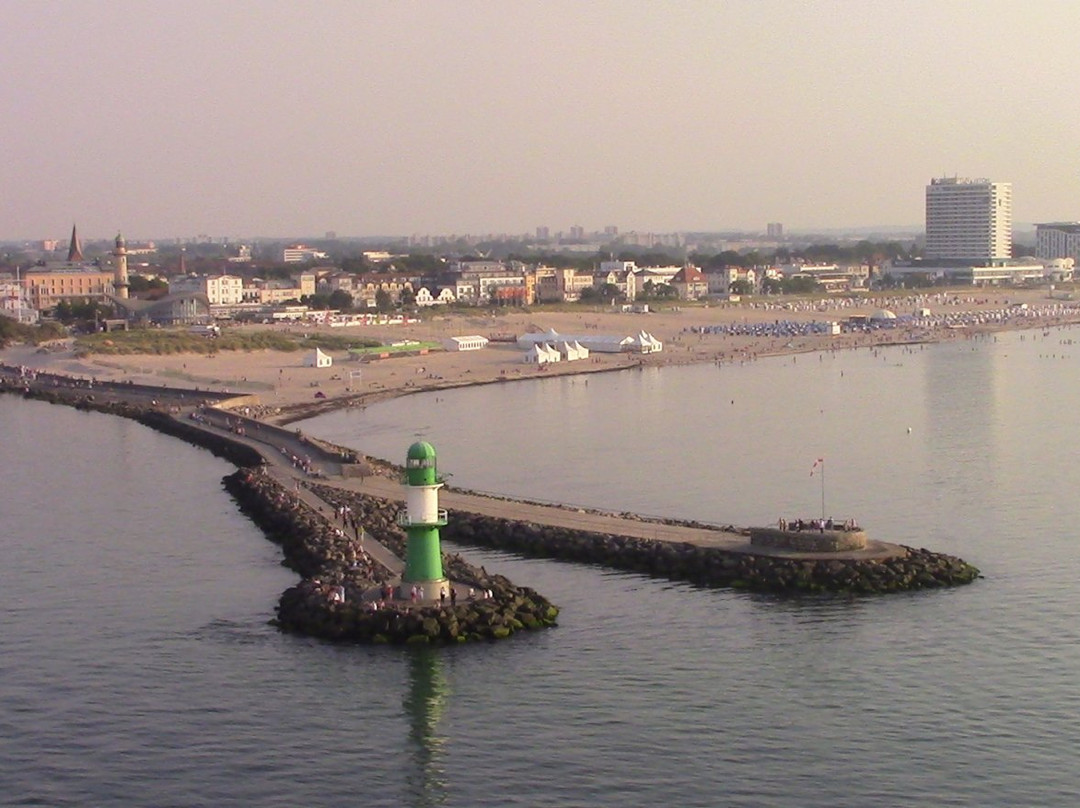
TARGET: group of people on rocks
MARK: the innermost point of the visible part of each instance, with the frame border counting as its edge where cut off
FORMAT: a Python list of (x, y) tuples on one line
[(817, 524), (313, 542), (394, 599)]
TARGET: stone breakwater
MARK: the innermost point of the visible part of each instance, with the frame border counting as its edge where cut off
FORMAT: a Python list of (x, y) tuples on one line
[(234, 452), (712, 566), (704, 566), (329, 559), (324, 557)]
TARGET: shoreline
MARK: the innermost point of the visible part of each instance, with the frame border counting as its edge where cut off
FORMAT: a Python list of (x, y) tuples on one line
[(287, 391), (301, 411)]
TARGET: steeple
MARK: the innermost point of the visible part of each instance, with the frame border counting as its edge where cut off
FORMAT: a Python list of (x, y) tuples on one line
[(74, 249)]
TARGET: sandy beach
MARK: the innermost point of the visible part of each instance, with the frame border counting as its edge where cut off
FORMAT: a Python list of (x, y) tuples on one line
[(289, 390)]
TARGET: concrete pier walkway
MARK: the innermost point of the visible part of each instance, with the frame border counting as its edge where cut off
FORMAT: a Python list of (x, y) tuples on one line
[(270, 444)]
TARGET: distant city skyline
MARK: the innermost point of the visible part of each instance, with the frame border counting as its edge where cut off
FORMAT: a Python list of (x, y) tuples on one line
[(277, 120)]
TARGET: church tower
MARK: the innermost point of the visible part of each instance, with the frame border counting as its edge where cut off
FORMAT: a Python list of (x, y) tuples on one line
[(74, 248), (120, 277)]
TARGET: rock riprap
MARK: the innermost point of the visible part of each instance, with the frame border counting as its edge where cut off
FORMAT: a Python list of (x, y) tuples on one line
[(338, 598)]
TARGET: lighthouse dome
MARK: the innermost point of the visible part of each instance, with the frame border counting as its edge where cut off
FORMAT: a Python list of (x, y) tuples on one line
[(420, 464), (421, 450)]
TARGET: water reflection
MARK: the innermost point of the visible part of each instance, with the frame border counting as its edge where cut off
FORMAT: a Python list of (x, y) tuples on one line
[(424, 703)]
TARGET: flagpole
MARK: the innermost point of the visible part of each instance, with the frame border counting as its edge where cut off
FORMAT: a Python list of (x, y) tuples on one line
[(823, 490)]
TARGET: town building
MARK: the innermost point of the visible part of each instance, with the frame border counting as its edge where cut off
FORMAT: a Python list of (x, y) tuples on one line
[(481, 282), (299, 254), (690, 283), (1058, 240), (366, 287), (830, 277), (983, 273), (720, 280), (220, 290), (14, 302), (560, 284), (47, 287), (646, 280), (274, 292), (968, 220)]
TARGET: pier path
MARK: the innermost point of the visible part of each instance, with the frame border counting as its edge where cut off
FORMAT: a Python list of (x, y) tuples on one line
[(270, 443)]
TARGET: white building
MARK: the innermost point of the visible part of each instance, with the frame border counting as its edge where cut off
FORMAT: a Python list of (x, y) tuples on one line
[(220, 290), (976, 273), (318, 359), (968, 220), (299, 254), (1058, 240), (472, 342), (15, 303)]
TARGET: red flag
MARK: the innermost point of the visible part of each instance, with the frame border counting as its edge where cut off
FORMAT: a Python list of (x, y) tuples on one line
[(820, 461)]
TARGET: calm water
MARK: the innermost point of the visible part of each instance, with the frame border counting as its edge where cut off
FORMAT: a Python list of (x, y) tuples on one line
[(136, 666)]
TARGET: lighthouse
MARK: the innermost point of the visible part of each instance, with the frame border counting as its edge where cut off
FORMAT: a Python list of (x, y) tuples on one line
[(422, 520), (120, 275)]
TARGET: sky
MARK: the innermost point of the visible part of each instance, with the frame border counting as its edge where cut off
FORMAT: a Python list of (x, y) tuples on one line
[(367, 118)]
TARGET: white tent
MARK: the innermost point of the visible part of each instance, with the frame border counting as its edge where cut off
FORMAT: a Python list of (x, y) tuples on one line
[(551, 335), (317, 359), (541, 354), (595, 343), (882, 314), (572, 351), (646, 343)]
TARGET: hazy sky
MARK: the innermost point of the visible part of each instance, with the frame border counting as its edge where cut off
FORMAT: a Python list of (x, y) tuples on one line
[(366, 117)]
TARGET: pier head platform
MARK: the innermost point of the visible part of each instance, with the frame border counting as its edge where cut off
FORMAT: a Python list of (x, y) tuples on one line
[(809, 539)]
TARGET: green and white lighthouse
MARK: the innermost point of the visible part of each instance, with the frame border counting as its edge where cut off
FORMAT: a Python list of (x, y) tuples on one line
[(422, 520)]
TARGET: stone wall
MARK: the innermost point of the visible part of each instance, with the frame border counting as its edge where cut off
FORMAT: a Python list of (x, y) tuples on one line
[(808, 541)]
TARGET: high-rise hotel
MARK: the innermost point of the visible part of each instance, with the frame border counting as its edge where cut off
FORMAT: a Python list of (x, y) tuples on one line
[(968, 220)]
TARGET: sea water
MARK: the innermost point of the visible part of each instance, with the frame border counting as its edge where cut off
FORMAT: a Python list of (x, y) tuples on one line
[(138, 667)]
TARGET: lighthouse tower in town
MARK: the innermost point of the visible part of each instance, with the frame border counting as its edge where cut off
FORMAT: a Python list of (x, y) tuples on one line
[(120, 275), (422, 520)]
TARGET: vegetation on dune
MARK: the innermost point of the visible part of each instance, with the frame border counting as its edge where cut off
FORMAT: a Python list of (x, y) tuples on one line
[(403, 347), (162, 342), (12, 331)]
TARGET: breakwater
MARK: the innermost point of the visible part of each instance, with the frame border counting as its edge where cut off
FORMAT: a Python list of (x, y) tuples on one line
[(149, 414), (680, 561), (331, 561), (707, 566), (323, 556), (713, 566)]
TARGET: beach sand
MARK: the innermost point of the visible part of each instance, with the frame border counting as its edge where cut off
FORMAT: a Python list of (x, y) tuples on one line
[(283, 383)]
